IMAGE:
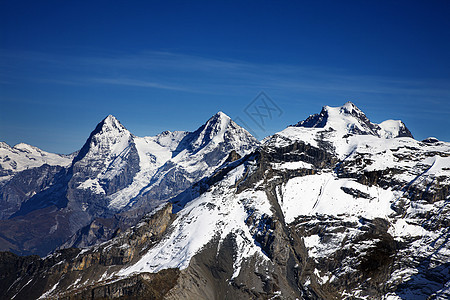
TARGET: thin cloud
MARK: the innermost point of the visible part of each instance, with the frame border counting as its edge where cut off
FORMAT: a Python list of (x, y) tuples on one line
[(196, 74), (138, 83)]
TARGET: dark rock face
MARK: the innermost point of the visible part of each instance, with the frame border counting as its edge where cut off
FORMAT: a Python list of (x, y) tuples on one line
[(142, 286), (29, 277), (59, 209), (23, 186), (98, 231), (404, 131), (316, 120)]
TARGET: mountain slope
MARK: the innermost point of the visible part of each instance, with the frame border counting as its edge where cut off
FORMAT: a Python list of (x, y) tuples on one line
[(22, 156), (114, 173), (196, 156), (25, 171), (320, 212)]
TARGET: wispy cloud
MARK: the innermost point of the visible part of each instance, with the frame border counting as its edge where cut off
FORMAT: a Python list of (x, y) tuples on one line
[(195, 74), (139, 83)]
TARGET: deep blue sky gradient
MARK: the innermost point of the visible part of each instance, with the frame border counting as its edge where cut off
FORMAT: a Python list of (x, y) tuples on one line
[(170, 65)]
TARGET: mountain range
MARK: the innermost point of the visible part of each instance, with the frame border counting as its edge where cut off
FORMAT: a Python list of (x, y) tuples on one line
[(333, 207)]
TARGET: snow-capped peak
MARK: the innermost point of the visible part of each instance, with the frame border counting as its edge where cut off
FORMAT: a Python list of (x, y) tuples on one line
[(25, 147), (216, 125), (345, 119), (170, 161), (109, 139), (107, 130), (221, 114), (217, 129), (349, 119), (220, 121), (350, 108), (110, 123)]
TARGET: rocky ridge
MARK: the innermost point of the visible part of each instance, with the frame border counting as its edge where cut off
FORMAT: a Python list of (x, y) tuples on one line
[(113, 181), (337, 210)]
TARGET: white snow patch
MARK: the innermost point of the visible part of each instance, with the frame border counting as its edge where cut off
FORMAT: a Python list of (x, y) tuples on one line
[(293, 165), (323, 194), (93, 185), (401, 228), (46, 294), (215, 214)]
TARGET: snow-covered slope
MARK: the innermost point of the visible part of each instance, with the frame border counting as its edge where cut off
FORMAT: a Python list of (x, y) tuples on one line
[(392, 129), (172, 161), (22, 156), (336, 207), (25, 171), (375, 194), (382, 174), (340, 129), (116, 171), (149, 170), (216, 214)]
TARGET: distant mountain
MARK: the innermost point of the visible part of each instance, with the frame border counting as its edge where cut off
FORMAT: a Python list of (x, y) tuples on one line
[(22, 157), (25, 171), (335, 207), (113, 173), (350, 119)]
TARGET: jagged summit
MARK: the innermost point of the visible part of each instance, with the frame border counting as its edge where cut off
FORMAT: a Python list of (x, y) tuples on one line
[(107, 140), (344, 118), (350, 108), (348, 118), (220, 129), (220, 121), (213, 129), (110, 123), (221, 114)]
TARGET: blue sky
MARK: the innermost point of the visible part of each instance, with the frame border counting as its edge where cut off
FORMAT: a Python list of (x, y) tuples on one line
[(170, 65)]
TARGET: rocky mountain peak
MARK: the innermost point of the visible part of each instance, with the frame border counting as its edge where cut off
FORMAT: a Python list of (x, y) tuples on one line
[(25, 147), (220, 129), (111, 124), (349, 119), (351, 109), (108, 139), (221, 114), (218, 122), (346, 119), (4, 145), (430, 140)]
